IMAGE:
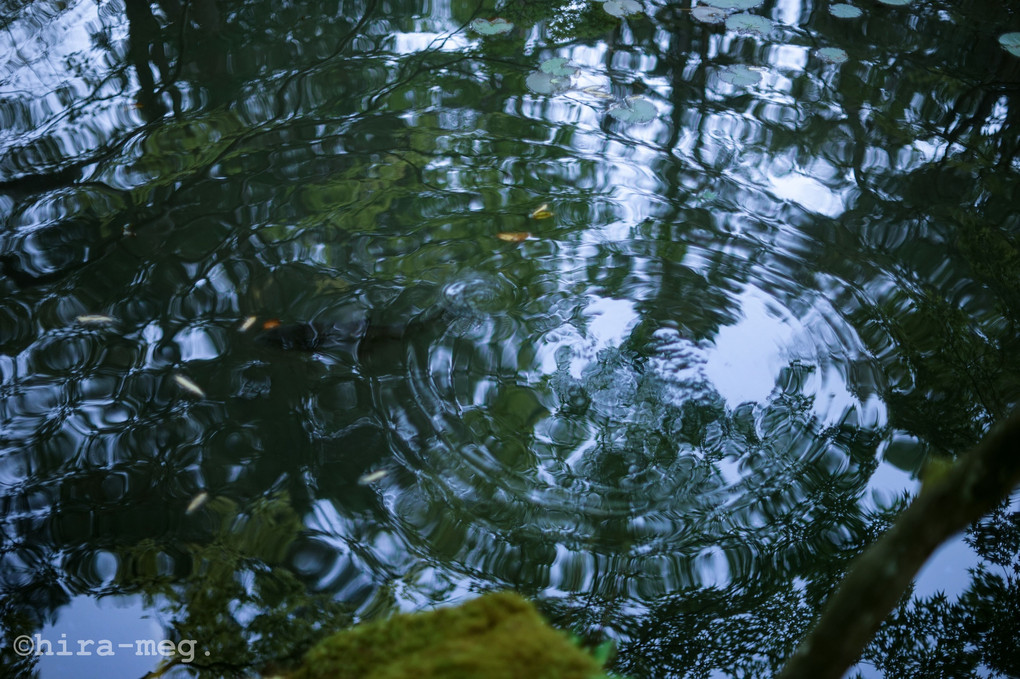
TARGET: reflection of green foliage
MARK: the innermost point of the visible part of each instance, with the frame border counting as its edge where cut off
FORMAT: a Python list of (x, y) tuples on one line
[(754, 625), (499, 636), (992, 253), (566, 21), (351, 199), (237, 574), (588, 22), (956, 374), (176, 150), (938, 637)]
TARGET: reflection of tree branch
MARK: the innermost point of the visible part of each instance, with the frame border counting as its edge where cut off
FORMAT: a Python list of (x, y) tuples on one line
[(879, 577)]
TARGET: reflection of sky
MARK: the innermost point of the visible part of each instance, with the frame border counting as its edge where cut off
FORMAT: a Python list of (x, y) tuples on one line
[(34, 58), (48, 67), (120, 620), (947, 569), (747, 356), (744, 358)]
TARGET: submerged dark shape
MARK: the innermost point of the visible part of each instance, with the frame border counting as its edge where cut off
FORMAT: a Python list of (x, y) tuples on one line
[(357, 333)]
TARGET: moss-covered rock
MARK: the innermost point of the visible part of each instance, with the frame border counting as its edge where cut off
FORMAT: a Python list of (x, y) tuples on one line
[(497, 636)]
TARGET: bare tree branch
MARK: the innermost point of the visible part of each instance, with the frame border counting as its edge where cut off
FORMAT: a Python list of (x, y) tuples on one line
[(973, 486)]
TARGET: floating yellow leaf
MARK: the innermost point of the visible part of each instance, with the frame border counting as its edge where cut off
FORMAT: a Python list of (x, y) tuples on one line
[(197, 502), (542, 212), (94, 319), (513, 236), (248, 322), (372, 477), (189, 386)]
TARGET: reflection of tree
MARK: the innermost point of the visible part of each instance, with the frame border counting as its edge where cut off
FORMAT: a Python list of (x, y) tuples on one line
[(939, 308), (268, 187), (230, 591)]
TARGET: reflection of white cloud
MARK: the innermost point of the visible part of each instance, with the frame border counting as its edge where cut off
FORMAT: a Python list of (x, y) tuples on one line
[(747, 356), (809, 193), (37, 59), (610, 320), (713, 568), (745, 359)]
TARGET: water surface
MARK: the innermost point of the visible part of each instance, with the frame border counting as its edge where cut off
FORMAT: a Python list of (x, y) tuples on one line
[(666, 377)]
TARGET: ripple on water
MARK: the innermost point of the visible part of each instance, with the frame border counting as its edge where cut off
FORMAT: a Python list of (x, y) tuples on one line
[(678, 459)]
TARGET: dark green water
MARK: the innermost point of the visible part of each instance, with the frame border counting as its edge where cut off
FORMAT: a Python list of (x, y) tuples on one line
[(672, 414)]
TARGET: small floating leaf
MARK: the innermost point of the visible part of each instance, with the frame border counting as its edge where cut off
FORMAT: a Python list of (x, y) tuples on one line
[(739, 75), (372, 477), (896, 3), (735, 4), (94, 319), (708, 15), (832, 55), (620, 8), (1011, 43), (845, 11), (541, 212), (546, 83), (637, 109), (513, 236), (557, 66), (196, 503), (248, 323), (189, 386), (271, 323), (749, 23), (493, 27)]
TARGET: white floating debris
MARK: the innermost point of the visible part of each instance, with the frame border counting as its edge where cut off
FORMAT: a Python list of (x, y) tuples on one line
[(189, 386), (248, 322), (372, 477), (94, 319), (597, 92), (197, 502)]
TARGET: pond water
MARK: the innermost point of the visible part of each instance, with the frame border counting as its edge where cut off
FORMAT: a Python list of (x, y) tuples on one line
[(319, 311)]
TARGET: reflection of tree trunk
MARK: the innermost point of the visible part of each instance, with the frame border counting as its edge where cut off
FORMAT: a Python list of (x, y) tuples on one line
[(148, 49), (978, 482), (145, 48)]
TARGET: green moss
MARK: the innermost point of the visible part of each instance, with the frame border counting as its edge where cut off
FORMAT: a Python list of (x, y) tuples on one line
[(497, 636)]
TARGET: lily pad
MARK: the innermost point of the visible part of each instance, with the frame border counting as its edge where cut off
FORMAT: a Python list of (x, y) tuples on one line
[(636, 109), (708, 14), (491, 27), (896, 3), (557, 66), (749, 23), (832, 55), (619, 8), (735, 4), (740, 75), (547, 83), (1011, 43), (845, 11)]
